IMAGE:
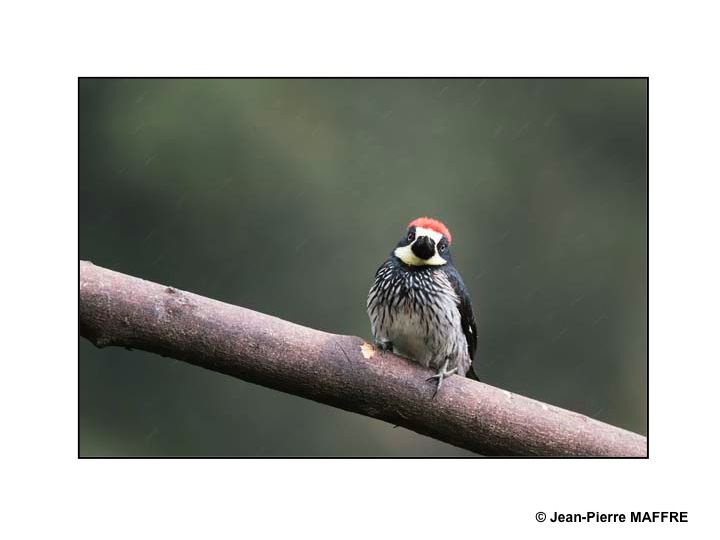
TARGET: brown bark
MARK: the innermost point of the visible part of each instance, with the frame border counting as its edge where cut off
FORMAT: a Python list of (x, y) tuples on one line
[(342, 371)]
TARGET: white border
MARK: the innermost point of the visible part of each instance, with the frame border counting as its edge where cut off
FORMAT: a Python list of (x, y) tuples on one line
[(48, 493)]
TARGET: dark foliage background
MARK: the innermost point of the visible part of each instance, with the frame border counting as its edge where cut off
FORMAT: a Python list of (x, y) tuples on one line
[(285, 195)]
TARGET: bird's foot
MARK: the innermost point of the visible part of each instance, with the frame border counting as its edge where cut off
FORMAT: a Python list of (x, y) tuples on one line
[(442, 373), (384, 345)]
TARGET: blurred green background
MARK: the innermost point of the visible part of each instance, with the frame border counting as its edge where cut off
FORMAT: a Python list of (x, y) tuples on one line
[(284, 196)]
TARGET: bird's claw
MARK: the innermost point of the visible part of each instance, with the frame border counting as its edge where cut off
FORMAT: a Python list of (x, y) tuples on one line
[(442, 373)]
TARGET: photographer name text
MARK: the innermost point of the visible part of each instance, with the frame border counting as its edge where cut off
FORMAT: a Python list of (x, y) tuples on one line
[(632, 517)]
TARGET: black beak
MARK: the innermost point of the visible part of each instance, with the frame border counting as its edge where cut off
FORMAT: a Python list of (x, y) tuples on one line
[(424, 247)]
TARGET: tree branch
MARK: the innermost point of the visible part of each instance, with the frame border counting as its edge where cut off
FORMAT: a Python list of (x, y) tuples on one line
[(342, 371)]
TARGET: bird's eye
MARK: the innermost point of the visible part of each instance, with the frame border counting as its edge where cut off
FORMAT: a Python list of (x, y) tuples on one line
[(443, 247), (411, 236)]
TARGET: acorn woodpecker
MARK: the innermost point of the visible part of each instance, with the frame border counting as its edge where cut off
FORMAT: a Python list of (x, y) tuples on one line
[(419, 307)]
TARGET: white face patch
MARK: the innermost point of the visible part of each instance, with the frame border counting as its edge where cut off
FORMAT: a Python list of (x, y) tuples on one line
[(406, 255)]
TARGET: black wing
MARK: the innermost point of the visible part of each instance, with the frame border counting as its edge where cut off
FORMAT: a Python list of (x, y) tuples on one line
[(467, 318)]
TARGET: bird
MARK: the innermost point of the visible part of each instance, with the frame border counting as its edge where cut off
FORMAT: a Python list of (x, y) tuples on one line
[(419, 307)]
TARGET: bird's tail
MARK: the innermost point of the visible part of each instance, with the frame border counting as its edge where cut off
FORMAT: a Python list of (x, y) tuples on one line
[(471, 374)]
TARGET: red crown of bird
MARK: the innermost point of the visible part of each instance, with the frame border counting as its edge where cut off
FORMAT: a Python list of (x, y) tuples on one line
[(433, 224)]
